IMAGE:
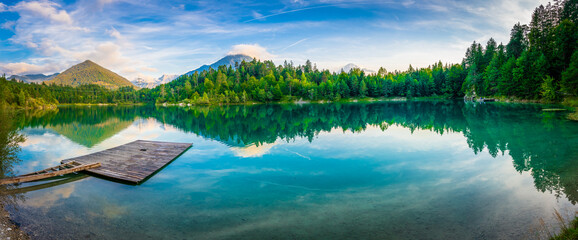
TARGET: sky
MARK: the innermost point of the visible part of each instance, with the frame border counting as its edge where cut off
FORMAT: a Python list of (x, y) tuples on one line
[(149, 38)]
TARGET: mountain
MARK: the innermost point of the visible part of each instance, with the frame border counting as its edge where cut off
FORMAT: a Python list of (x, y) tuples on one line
[(89, 72), (350, 66), (151, 83), (33, 78), (228, 60), (166, 78)]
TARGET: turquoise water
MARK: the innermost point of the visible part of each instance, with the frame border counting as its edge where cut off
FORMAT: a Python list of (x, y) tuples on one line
[(388, 170)]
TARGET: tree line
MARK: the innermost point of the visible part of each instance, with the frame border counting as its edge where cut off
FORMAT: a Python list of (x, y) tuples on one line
[(15, 94), (264, 82), (540, 61)]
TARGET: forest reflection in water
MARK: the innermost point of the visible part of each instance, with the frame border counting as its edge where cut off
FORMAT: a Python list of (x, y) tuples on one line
[(539, 143), (543, 144)]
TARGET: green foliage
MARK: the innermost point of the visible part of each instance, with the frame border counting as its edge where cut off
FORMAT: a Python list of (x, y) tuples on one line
[(15, 94), (568, 233), (548, 90), (258, 81), (542, 48), (10, 138), (570, 76), (518, 41)]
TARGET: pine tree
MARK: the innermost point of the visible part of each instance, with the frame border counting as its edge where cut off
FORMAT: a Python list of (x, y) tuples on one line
[(570, 76)]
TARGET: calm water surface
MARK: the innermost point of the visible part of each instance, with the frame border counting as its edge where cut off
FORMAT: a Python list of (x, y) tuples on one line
[(395, 170)]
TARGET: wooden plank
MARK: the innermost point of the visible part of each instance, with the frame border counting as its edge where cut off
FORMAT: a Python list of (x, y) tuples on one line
[(28, 178), (70, 164), (133, 162), (68, 179)]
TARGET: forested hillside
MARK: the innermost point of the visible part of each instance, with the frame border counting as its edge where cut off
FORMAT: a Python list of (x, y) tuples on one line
[(89, 72)]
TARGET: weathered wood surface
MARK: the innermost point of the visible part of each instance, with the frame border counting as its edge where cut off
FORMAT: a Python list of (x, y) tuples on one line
[(65, 168), (59, 181), (133, 162)]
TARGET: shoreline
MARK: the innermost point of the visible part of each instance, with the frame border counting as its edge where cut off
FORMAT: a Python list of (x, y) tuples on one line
[(301, 101), (9, 229), (99, 104)]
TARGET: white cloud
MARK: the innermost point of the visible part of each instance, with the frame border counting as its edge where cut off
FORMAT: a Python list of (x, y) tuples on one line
[(251, 50), (55, 36), (129, 70), (107, 53), (257, 15), (496, 18), (22, 68), (179, 7), (408, 3), (43, 9), (103, 2), (114, 33), (2, 7), (147, 78), (9, 25), (149, 69), (87, 32)]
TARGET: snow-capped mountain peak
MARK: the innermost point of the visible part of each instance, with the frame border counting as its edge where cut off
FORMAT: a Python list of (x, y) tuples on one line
[(144, 82)]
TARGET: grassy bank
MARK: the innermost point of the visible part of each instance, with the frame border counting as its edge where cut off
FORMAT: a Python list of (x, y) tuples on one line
[(572, 102), (568, 232)]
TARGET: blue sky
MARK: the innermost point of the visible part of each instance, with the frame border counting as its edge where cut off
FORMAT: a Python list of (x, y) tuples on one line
[(149, 38)]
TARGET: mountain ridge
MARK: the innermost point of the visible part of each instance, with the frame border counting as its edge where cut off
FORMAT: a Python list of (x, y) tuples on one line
[(33, 78), (228, 60), (144, 83), (89, 72)]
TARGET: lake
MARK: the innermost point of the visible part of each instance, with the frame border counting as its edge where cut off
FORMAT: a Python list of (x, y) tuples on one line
[(381, 170)]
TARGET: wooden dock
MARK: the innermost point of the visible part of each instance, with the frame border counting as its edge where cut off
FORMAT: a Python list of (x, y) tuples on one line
[(133, 162)]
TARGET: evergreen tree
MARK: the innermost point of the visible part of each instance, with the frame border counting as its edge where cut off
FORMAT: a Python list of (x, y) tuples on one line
[(518, 42), (570, 76)]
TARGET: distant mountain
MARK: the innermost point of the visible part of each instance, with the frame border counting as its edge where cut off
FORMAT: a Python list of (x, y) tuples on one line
[(151, 83), (166, 78), (33, 78), (228, 60), (350, 66), (89, 72)]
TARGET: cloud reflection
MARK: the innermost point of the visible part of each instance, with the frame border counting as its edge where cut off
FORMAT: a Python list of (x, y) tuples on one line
[(51, 197), (253, 150)]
